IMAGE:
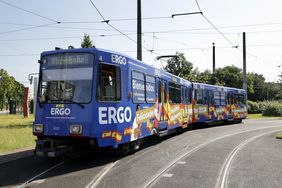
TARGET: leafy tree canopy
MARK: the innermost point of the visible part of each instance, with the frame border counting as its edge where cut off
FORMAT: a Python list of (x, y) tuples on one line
[(179, 66), (87, 42)]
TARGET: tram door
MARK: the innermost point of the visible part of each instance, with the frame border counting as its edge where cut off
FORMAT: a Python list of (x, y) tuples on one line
[(162, 100)]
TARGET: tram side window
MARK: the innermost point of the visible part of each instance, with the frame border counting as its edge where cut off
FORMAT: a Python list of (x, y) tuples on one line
[(239, 99), (189, 95), (159, 91), (185, 97), (222, 98), (217, 98), (208, 97), (174, 93), (138, 87), (199, 96), (229, 98), (109, 83), (150, 89)]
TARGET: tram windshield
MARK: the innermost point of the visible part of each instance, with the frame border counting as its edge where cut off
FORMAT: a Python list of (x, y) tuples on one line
[(66, 78)]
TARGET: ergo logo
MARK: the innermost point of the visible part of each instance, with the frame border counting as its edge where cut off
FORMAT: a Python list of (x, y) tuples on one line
[(108, 115), (60, 111), (118, 59)]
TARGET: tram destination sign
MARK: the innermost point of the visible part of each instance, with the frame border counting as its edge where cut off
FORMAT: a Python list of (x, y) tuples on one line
[(68, 59)]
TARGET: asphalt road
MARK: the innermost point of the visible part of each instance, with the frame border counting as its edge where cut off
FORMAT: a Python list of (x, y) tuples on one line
[(237, 155)]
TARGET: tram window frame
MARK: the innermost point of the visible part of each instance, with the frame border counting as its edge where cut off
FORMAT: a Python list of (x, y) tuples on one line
[(174, 92), (184, 95), (199, 96), (159, 91), (230, 98), (208, 97), (139, 78), (190, 92), (150, 80), (216, 96), (240, 99), (114, 83), (222, 98)]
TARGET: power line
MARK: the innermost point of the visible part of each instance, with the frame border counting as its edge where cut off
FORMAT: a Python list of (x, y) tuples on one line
[(33, 13), (13, 48), (17, 55), (122, 33), (229, 40), (118, 20), (104, 20), (27, 28), (214, 25)]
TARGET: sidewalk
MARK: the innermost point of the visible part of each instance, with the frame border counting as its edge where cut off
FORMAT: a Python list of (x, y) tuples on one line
[(15, 155)]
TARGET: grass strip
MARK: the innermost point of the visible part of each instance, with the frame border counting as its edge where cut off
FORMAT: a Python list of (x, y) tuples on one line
[(279, 135), (15, 132)]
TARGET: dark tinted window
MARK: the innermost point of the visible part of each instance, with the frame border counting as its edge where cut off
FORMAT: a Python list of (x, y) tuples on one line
[(108, 83)]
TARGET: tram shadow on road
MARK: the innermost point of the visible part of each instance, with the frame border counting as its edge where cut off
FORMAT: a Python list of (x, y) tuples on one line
[(20, 171)]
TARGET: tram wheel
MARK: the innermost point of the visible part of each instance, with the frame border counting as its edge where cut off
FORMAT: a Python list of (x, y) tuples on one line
[(124, 149)]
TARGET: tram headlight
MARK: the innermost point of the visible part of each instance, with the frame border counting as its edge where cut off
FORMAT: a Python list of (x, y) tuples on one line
[(38, 128), (76, 129)]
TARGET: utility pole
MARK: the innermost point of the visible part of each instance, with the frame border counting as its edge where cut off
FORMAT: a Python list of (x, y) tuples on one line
[(244, 64), (213, 57), (139, 31)]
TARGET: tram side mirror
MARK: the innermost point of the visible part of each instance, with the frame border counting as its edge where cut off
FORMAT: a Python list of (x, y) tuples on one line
[(41, 99), (30, 80), (39, 61)]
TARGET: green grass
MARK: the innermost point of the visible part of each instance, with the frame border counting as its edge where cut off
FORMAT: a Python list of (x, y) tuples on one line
[(259, 116), (279, 135), (15, 132), (255, 116)]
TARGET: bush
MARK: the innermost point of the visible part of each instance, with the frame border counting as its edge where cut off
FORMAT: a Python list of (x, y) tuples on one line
[(253, 107), (262, 105), (272, 108)]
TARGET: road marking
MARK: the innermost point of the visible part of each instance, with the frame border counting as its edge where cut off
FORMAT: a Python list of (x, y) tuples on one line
[(96, 180), (167, 175), (154, 178), (181, 162), (39, 181), (44, 172), (227, 164)]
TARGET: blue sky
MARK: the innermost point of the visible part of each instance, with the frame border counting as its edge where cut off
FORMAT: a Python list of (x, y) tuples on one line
[(191, 35)]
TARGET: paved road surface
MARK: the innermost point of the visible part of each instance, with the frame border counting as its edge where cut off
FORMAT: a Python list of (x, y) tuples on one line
[(238, 155)]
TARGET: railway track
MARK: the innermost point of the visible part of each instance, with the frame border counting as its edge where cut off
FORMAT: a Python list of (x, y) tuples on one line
[(224, 171), (102, 173)]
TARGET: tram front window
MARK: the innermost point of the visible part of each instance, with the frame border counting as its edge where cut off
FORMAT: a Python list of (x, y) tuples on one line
[(66, 78)]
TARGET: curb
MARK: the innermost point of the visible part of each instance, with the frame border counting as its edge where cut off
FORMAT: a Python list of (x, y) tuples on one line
[(9, 157)]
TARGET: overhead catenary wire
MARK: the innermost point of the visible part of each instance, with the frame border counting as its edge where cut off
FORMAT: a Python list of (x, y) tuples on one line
[(233, 46), (28, 11), (122, 33), (26, 28), (229, 41), (179, 31)]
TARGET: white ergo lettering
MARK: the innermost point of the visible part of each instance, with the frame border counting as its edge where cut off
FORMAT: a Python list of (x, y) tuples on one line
[(109, 115), (60, 111)]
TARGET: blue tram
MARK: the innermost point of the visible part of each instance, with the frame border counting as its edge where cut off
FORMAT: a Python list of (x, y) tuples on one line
[(97, 98)]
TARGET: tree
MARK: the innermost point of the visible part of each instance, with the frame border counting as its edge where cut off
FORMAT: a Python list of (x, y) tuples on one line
[(179, 66), (87, 42), (258, 85), (202, 77), (10, 89), (230, 76)]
